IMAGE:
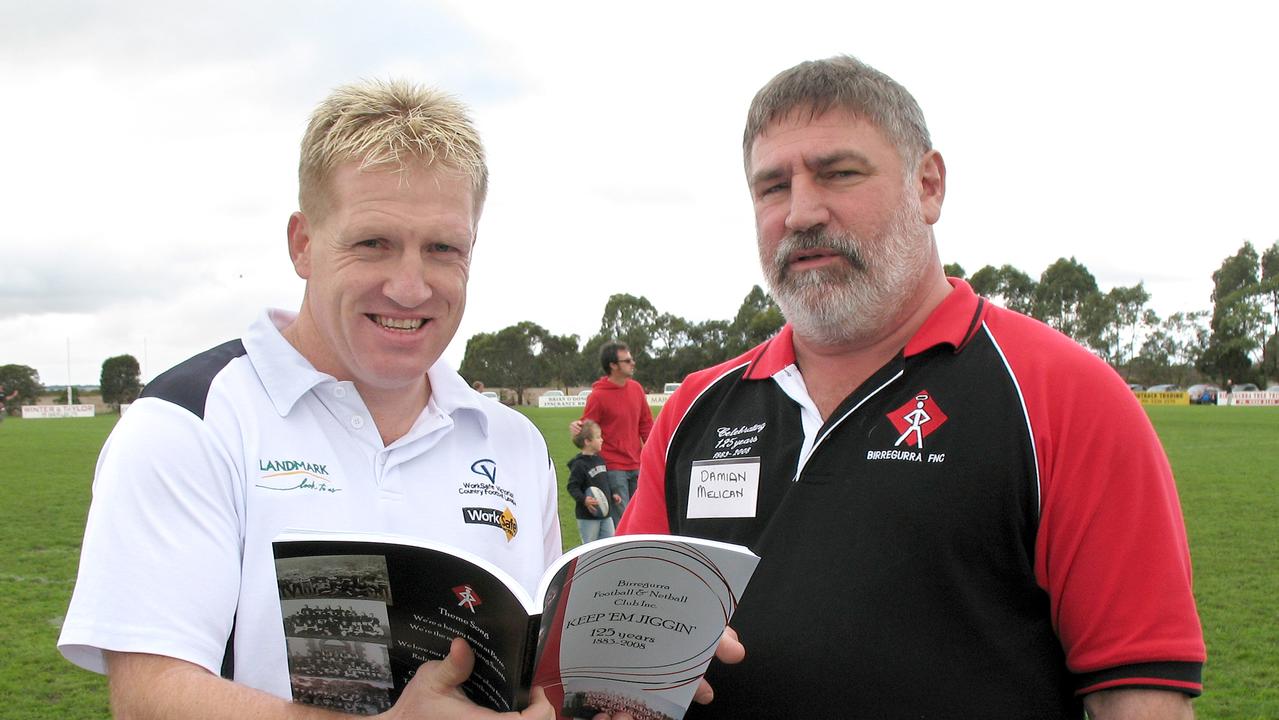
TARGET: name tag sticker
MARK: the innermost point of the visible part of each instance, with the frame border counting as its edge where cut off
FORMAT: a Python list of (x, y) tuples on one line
[(723, 488)]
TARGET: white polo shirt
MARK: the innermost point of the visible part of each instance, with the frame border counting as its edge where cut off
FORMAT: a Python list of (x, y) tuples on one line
[(227, 449)]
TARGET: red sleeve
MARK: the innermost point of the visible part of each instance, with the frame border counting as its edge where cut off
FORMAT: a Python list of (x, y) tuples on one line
[(1111, 549), (646, 512)]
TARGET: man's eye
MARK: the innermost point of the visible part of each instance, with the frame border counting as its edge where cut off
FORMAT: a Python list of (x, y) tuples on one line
[(370, 243), (442, 248), (771, 189)]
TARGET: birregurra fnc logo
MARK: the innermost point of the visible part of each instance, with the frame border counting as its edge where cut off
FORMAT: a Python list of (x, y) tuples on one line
[(914, 421), (504, 519), (300, 475), (467, 597)]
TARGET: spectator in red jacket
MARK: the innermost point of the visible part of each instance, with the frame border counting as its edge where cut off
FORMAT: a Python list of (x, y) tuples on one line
[(620, 406)]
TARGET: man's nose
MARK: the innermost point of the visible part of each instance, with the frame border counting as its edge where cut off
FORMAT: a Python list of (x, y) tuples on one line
[(807, 206), (408, 285)]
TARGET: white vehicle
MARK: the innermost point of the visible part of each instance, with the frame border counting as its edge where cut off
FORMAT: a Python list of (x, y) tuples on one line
[(669, 388), (584, 393), (553, 393), (490, 394)]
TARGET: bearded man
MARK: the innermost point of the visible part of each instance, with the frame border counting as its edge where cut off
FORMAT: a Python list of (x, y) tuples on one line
[(960, 512)]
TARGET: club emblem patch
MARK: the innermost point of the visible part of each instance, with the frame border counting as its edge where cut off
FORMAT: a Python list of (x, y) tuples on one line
[(916, 420)]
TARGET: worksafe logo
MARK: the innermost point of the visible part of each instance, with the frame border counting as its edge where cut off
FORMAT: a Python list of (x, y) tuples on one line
[(286, 475), (504, 520), (467, 597), (916, 420)]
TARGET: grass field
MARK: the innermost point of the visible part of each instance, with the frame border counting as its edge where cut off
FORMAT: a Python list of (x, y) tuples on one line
[(1226, 461)]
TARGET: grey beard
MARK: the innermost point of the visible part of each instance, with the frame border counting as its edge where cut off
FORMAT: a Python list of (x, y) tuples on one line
[(849, 304)]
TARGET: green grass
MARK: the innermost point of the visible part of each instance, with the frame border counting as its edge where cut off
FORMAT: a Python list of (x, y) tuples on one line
[(46, 469), (553, 424), (1225, 460)]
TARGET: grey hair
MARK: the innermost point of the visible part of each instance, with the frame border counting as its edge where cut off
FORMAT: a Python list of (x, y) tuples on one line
[(388, 123), (842, 82)]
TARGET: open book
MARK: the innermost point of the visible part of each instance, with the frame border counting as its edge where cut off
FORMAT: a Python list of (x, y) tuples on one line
[(625, 623)]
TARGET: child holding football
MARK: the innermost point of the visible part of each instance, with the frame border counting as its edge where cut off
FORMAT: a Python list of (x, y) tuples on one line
[(586, 472)]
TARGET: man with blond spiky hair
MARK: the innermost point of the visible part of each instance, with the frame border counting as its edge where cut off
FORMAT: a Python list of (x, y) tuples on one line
[(340, 416)]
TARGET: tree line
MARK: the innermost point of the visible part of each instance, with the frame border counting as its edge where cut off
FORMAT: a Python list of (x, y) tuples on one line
[(665, 347), (1237, 341), (120, 383)]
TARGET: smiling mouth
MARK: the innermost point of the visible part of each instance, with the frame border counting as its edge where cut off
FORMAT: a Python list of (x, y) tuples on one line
[(406, 325)]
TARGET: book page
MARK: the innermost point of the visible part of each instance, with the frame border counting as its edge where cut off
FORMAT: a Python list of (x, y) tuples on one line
[(632, 622)]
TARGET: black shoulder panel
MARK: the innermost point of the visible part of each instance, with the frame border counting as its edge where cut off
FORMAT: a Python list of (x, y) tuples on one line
[(187, 384)]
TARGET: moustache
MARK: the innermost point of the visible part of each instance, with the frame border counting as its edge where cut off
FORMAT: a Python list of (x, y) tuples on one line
[(841, 244)]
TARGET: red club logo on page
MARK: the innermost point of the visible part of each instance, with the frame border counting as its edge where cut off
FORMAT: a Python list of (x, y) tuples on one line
[(916, 420), (467, 597)]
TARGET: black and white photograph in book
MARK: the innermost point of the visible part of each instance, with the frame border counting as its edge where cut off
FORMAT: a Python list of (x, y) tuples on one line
[(340, 660), (333, 618), (344, 675), (347, 696), (340, 576)]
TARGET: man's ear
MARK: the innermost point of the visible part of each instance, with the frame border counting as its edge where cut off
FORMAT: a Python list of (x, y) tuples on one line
[(932, 185), (300, 244)]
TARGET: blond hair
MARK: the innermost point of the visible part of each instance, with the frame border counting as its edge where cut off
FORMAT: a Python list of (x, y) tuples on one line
[(388, 123), (588, 431)]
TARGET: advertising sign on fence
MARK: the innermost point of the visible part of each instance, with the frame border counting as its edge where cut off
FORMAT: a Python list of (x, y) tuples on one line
[(1253, 398), (56, 411), (1164, 398)]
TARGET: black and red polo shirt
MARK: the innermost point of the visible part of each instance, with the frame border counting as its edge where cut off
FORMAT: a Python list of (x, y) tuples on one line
[(987, 527)]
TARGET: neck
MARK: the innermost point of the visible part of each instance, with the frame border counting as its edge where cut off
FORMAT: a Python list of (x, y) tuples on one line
[(833, 371), (395, 411), (618, 379)]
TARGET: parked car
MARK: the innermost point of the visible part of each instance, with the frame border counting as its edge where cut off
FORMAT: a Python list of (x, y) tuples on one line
[(1136, 387), (553, 393), (669, 388), (1244, 387), (1203, 394), (490, 394), (583, 393), (1164, 388), (1273, 389)]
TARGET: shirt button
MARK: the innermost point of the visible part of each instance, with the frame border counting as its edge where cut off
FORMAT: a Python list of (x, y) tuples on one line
[(339, 392), (357, 422)]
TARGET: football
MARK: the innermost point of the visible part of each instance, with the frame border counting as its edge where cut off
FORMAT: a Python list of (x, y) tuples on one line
[(600, 510)]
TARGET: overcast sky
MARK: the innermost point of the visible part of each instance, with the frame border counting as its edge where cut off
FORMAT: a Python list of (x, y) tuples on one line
[(151, 149)]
